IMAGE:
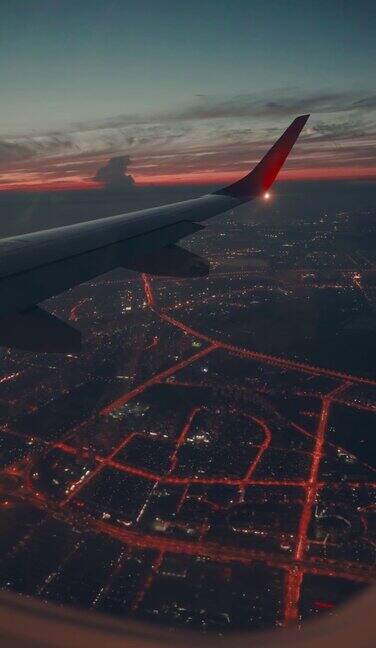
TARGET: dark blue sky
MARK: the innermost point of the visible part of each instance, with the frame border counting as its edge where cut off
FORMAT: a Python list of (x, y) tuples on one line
[(89, 69)]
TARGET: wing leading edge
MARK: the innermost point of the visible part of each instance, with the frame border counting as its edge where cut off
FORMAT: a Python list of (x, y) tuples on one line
[(36, 266)]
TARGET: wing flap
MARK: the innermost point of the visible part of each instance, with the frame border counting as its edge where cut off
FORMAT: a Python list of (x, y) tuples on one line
[(169, 261), (38, 330)]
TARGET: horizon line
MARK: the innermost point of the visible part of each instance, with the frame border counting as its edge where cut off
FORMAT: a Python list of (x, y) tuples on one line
[(204, 178)]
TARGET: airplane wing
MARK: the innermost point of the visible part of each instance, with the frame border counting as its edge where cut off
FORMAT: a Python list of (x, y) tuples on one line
[(36, 266)]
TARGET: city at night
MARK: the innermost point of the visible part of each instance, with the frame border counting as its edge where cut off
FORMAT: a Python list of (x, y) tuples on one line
[(202, 457), (210, 455)]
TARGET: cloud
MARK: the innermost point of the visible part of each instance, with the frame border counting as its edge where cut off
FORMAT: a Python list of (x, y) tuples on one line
[(13, 151), (274, 105), (26, 147), (113, 174), (343, 130), (211, 134), (281, 104), (366, 103)]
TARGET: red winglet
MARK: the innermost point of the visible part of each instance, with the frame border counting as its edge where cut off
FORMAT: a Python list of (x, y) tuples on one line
[(263, 175)]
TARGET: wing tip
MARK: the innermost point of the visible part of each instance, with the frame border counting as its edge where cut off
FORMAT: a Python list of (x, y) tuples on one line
[(301, 120), (266, 171)]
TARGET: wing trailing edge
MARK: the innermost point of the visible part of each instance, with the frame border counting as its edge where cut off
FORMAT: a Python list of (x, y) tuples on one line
[(169, 261), (38, 330)]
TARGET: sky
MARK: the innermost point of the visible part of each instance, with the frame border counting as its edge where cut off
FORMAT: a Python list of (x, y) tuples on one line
[(183, 92)]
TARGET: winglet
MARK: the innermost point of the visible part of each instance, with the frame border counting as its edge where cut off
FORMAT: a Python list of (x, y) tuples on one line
[(263, 175)]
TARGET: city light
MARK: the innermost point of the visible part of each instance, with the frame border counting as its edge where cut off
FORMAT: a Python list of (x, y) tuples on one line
[(159, 492)]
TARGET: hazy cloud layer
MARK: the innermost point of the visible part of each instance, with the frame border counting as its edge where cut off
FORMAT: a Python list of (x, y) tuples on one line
[(211, 135), (285, 106), (281, 103), (13, 151)]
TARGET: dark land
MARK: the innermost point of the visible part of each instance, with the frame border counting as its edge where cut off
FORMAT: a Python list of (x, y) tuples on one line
[(208, 459)]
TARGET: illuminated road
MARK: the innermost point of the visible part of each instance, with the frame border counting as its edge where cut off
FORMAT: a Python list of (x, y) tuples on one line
[(295, 563), (295, 576)]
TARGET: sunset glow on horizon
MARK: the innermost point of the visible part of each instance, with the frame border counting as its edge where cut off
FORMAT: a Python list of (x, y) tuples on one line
[(203, 178), (205, 115)]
